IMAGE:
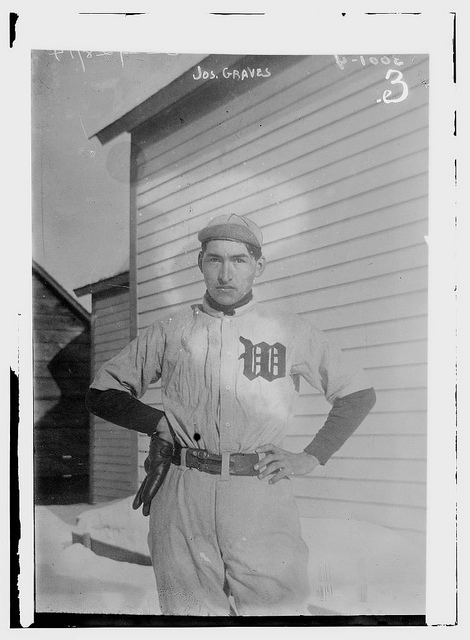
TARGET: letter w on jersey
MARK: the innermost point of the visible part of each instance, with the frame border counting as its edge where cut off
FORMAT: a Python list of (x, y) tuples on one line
[(263, 360)]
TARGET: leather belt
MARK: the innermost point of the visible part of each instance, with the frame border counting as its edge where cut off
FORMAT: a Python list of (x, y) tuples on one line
[(239, 464)]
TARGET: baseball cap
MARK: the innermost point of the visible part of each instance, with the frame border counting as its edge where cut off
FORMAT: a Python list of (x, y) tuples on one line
[(232, 227)]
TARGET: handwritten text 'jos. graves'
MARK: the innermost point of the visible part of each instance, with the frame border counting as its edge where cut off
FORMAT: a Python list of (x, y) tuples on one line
[(244, 73)]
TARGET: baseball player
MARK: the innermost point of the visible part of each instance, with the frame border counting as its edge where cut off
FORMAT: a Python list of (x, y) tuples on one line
[(224, 529)]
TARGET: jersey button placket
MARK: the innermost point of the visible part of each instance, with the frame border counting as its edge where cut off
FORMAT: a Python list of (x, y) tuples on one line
[(214, 357), (227, 367)]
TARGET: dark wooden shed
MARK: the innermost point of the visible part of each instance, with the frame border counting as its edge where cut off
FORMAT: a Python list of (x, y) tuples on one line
[(61, 342)]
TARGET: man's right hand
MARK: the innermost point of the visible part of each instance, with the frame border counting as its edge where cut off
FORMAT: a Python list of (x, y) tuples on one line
[(156, 465)]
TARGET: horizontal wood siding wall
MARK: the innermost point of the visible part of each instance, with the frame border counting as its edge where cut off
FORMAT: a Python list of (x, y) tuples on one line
[(337, 180), (114, 449), (61, 342)]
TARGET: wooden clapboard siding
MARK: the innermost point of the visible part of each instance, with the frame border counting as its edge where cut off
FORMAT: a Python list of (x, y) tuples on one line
[(380, 332), (394, 307), (375, 470), (104, 306), (407, 494), (402, 446), (309, 168), (114, 449), (330, 111), (72, 414), (48, 388), (110, 346), (368, 202), (326, 288), (401, 518), (372, 242), (328, 263), (337, 180), (119, 333), (378, 423), (113, 435), (65, 322), (200, 132), (168, 247), (114, 319)]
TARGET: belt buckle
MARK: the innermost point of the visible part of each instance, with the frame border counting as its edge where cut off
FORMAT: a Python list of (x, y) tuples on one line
[(203, 465), (204, 461), (200, 458)]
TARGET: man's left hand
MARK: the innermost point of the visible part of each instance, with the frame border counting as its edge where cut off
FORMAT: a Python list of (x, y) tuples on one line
[(283, 464)]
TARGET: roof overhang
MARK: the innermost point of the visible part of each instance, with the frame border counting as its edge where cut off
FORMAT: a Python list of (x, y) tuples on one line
[(75, 306), (119, 280), (168, 95)]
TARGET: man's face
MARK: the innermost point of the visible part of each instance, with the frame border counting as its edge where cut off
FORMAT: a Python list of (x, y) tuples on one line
[(229, 270)]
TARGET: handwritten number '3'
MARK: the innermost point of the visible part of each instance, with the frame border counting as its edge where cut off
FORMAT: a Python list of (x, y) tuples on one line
[(396, 80)]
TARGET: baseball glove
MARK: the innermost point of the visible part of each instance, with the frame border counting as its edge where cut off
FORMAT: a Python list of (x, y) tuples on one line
[(156, 465)]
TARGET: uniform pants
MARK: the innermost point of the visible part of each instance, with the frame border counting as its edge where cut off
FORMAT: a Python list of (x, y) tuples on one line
[(211, 538)]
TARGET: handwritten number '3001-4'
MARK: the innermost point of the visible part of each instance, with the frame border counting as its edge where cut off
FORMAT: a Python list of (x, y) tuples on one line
[(397, 80)]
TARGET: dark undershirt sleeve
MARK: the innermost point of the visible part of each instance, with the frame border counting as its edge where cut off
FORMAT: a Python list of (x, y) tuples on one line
[(121, 408), (345, 416)]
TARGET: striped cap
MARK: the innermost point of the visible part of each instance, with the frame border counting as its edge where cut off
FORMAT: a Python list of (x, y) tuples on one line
[(232, 227)]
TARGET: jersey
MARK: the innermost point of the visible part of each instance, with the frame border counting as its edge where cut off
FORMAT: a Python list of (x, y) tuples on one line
[(230, 383)]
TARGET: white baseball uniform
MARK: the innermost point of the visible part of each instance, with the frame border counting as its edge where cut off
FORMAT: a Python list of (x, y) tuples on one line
[(229, 385)]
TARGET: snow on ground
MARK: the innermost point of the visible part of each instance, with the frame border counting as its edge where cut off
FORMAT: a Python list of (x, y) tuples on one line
[(117, 523), (73, 579), (355, 567), (360, 568)]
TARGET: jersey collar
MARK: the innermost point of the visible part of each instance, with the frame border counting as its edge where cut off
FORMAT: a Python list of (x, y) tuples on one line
[(246, 308)]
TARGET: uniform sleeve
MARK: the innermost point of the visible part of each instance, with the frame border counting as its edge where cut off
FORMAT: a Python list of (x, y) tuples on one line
[(136, 366), (324, 366), (120, 408), (345, 416)]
